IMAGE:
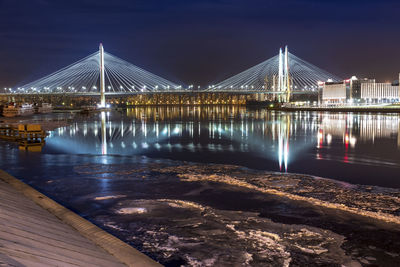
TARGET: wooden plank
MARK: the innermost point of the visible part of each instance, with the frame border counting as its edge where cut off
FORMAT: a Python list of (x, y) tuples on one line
[(27, 259), (54, 236), (47, 230), (42, 250), (67, 246), (21, 212), (31, 236), (40, 222), (10, 200)]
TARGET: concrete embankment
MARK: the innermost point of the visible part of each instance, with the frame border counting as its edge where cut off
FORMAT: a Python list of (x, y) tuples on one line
[(37, 231)]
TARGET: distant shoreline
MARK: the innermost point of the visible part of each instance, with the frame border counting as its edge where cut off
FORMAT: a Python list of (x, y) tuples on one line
[(367, 109), (263, 106), (390, 109)]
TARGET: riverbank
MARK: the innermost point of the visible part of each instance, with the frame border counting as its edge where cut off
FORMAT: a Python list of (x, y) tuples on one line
[(38, 231), (344, 109), (368, 109)]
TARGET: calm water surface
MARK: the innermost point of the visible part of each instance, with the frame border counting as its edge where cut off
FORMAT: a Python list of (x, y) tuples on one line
[(357, 148), (143, 175)]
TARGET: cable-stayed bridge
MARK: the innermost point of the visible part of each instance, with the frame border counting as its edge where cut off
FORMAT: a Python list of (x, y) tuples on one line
[(101, 73), (280, 75), (84, 76)]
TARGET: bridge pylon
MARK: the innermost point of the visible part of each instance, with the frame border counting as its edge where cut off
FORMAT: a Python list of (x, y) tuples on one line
[(102, 83), (284, 76)]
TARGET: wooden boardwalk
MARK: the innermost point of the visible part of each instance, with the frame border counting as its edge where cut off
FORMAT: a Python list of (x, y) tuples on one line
[(32, 236)]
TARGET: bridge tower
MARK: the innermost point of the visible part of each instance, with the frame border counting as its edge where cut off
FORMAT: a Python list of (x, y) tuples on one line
[(102, 85), (284, 76), (287, 75), (280, 76)]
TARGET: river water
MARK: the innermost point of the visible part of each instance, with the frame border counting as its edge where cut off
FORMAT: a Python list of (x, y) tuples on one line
[(192, 185)]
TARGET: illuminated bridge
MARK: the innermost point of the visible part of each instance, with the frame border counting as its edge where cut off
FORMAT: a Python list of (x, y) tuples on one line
[(281, 76), (102, 74), (85, 76)]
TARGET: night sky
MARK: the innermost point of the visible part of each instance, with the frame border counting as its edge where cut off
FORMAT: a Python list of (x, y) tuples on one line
[(199, 42)]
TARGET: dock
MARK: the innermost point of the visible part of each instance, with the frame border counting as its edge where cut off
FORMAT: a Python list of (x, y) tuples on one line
[(37, 231)]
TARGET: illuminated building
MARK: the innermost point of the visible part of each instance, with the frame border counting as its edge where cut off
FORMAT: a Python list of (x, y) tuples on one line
[(353, 91), (379, 92)]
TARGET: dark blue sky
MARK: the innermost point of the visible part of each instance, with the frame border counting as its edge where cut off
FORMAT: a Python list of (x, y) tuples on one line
[(200, 41)]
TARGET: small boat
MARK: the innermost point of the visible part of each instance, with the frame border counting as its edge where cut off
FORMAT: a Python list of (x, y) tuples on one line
[(13, 110), (43, 108)]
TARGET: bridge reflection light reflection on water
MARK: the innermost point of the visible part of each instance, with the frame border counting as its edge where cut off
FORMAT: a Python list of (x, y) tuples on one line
[(232, 131)]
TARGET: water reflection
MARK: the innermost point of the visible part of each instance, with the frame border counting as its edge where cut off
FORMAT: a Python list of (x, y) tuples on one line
[(283, 137), (103, 134), (275, 136), (362, 126)]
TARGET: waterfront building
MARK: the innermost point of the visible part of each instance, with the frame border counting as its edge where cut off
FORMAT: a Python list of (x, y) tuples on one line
[(379, 92), (356, 90), (335, 92)]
